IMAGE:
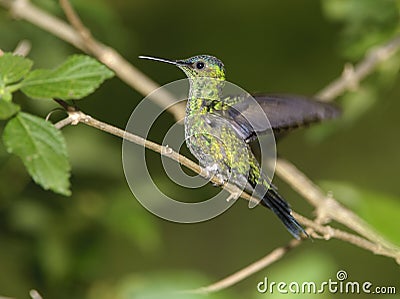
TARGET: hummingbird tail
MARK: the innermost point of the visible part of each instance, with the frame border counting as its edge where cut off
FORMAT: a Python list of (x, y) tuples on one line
[(281, 208)]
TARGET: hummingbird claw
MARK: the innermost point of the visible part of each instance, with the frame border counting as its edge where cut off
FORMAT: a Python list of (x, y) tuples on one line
[(213, 171), (212, 168), (221, 180)]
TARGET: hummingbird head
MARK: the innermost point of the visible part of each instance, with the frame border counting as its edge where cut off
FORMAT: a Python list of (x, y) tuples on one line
[(197, 66)]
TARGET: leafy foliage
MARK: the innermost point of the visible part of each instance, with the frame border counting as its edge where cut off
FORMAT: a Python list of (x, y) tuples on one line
[(99, 246), (365, 23), (13, 68), (76, 78), (7, 109), (38, 143), (42, 149)]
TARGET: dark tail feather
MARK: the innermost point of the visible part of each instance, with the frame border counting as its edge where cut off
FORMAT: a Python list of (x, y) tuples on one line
[(281, 208)]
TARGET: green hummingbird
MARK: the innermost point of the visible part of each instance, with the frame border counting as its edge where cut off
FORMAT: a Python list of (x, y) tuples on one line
[(218, 132)]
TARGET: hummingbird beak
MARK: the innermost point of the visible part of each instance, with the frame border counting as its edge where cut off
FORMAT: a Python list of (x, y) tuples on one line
[(174, 62)]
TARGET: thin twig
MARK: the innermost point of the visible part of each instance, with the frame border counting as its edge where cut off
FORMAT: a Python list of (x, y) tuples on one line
[(351, 76), (126, 71), (64, 122), (329, 232), (35, 294), (77, 24), (79, 38), (23, 48), (327, 207), (23, 9), (249, 270), (75, 116)]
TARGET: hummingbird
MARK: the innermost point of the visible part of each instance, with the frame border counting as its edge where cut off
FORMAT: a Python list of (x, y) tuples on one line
[(218, 132)]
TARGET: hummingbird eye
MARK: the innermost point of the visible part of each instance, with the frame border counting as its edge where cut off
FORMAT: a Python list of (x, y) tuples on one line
[(200, 65)]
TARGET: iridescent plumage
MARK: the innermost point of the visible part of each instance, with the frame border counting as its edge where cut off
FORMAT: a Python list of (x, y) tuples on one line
[(218, 134)]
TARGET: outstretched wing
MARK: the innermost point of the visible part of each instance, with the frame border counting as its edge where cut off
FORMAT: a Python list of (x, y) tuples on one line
[(284, 112)]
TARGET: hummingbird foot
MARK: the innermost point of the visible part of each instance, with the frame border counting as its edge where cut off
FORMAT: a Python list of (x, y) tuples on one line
[(221, 180), (211, 171), (206, 172), (212, 168)]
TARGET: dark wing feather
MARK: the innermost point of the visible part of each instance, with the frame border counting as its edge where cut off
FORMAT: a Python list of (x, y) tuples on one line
[(284, 112)]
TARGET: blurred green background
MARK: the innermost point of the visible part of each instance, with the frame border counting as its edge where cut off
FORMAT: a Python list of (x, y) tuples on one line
[(101, 243)]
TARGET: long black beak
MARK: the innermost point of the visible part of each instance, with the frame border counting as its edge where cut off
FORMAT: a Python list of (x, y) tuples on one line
[(174, 62)]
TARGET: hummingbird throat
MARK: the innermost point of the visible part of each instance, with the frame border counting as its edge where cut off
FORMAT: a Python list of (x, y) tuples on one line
[(205, 95)]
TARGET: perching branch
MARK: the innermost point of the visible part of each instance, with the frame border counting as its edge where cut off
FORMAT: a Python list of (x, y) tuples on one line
[(327, 208), (318, 230), (76, 116)]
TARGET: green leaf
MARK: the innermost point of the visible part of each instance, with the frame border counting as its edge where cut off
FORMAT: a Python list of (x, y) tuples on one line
[(7, 109), (42, 149), (364, 23), (79, 76), (5, 95), (13, 68)]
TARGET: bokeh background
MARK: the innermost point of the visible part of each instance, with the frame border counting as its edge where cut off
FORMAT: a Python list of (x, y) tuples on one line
[(101, 243)]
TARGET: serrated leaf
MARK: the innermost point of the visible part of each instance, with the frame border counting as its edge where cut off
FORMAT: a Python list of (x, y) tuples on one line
[(42, 149), (7, 109), (13, 68), (79, 76)]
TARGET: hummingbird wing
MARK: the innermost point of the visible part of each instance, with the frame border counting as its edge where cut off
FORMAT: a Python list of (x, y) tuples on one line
[(284, 112)]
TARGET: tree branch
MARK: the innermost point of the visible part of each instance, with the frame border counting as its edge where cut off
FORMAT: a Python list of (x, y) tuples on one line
[(327, 232), (23, 48), (327, 207), (242, 274), (76, 116), (23, 9), (351, 76)]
